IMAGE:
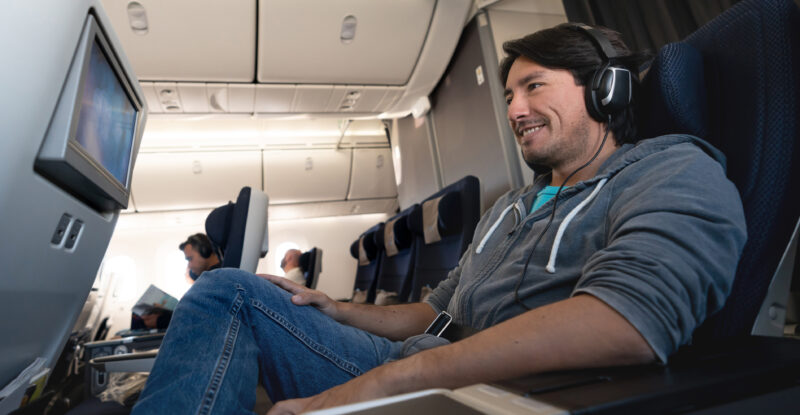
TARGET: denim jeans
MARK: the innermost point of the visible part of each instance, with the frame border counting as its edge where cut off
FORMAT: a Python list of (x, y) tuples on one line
[(232, 329)]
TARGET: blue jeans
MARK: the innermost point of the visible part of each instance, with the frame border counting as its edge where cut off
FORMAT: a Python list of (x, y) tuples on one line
[(233, 328)]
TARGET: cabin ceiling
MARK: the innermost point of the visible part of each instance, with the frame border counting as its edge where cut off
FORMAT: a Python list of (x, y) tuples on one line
[(287, 56)]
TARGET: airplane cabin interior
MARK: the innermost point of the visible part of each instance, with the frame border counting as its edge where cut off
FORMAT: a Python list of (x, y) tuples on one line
[(370, 136)]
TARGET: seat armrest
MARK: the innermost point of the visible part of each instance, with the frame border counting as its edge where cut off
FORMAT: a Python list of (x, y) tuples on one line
[(128, 362)]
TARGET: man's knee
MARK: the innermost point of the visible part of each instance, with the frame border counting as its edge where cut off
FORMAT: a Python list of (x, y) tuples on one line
[(232, 281)]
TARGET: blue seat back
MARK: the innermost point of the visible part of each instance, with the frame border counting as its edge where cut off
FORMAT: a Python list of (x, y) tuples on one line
[(369, 263), (225, 227), (311, 265), (735, 82), (456, 216), (397, 262)]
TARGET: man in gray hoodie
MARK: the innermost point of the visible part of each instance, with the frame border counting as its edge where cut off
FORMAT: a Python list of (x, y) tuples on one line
[(613, 256)]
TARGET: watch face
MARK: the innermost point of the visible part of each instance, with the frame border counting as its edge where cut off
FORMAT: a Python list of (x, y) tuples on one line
[(439, 324)]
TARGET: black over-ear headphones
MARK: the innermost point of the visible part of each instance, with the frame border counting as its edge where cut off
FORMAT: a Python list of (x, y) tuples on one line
[(610, 87), (200, 243)]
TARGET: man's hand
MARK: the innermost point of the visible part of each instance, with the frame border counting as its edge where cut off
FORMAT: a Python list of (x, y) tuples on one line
[(302, 295), (362, 388)]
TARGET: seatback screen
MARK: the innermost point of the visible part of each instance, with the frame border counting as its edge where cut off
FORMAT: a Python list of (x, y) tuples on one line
[(107, 120)]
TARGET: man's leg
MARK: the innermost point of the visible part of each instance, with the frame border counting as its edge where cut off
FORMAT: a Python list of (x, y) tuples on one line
[(230, 325)]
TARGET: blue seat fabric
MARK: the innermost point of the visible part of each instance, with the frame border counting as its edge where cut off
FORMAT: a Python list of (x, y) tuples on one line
[(396, 271), (225, 228), (750, 78), (458, 216), (366, 275)]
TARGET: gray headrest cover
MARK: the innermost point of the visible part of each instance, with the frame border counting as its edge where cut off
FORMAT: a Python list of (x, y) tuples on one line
[(430, 220), (388, 238), (362, 253)]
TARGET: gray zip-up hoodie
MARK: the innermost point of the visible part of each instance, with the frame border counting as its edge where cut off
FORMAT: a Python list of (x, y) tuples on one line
[(656, 234)]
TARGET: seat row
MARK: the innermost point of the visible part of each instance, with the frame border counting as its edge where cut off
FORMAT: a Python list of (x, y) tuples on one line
[(403, 259)]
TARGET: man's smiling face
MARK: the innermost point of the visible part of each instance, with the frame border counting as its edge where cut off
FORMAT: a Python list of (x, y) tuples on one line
[(547, 113)]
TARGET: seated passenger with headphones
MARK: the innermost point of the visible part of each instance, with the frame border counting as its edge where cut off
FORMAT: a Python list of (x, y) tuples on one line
[(200, 256), (611, 257)]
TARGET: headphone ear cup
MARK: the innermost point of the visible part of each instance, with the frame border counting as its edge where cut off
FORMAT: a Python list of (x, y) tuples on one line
[(591, 97), (205, 250), (609, 92)]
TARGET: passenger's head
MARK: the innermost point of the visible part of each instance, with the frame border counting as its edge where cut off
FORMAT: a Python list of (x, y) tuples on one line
[(291, 260), (198, 251), (562, 50)]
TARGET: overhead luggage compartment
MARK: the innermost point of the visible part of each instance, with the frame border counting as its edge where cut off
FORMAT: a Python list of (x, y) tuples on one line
[(363, 58), (341, 42), (193, 180), (298, 176), (187, 40), (373, 174)]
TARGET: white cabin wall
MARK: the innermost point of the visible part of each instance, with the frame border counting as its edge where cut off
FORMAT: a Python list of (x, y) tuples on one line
[(144, 250), (416, 171)]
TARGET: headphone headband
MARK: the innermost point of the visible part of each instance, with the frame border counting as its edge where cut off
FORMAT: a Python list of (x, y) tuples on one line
[(601, 42)]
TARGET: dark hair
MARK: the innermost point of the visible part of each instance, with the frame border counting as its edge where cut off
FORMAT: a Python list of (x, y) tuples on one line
[(200, 243), (565, 47)]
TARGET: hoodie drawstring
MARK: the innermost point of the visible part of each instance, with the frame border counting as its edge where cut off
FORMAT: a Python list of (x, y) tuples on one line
[(551, 264), (520, 209)]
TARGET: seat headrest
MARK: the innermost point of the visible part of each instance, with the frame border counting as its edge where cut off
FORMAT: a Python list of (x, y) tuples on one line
[(437, 217), (672, 99), (395, 235), (303, 261), (218, 223), (225, 227), (370, 248)]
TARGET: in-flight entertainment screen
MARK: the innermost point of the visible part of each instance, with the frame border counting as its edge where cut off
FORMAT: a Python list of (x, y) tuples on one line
[(107, 120)]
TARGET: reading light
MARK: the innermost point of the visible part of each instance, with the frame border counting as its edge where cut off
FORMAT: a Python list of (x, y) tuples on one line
[(348, 29), (137, 17)]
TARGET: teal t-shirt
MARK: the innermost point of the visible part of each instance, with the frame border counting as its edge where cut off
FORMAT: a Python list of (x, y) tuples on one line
[(543, 196)]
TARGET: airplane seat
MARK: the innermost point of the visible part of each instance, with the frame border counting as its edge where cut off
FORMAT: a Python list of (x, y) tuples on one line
[(735, 83), (366, 251), (443, 226), (311, 264), (64, 176), (239, 234), (238, 231), (396, 243)]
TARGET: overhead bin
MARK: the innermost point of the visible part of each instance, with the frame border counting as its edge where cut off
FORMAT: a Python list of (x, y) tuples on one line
[(304, 41), (189, 40), (372, 174), (193, 180), (305, 50), (298, 176)]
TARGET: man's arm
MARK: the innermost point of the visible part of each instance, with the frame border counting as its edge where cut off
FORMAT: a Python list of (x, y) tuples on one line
[(395, 322), (578, 332)]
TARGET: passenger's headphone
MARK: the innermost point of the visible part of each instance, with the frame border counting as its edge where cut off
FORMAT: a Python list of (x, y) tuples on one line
[(610, 87), (200, 243)]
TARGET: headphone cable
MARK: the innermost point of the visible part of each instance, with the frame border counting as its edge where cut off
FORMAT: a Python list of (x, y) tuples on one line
[(517, 298)]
